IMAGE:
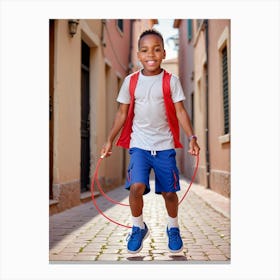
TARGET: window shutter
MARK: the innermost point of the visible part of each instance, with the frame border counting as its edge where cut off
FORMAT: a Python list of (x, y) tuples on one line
[(120, 24), (189, 29), (225, 90)]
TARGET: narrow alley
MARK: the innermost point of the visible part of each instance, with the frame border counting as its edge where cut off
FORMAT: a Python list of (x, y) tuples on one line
[(82, 234)]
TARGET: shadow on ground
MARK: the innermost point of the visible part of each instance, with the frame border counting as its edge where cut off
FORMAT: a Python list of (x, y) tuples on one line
[(172, 258), (63, 224)]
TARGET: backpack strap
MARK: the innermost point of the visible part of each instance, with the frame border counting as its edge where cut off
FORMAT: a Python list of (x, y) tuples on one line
[(170, 109), (133, 83), (124, 139)]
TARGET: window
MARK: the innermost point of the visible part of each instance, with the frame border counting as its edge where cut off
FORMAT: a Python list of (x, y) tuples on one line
[(225, 90), (120, 24), (192, 109), (223, 47)]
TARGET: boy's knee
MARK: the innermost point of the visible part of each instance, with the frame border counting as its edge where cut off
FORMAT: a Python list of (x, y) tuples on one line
[(170, 196), (137, 189)]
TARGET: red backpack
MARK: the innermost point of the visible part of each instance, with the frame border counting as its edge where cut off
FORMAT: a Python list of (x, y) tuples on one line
[(124, 139)]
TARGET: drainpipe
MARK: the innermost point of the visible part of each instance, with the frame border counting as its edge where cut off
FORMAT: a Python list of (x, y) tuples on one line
[(130, 65), (207, 105)]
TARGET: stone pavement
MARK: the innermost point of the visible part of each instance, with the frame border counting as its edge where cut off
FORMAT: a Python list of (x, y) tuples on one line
[(81, 234)]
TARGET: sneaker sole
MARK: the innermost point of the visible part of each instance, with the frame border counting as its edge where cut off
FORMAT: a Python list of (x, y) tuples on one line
[(141, 247), (176, 251)]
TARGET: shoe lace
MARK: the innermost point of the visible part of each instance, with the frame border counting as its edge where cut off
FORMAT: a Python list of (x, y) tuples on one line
[(134, 234), (174, 234)]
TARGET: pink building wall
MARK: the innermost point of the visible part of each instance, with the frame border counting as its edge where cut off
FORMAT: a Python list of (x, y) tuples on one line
[(193, 68), (117, 45), (186, 72), (220, 151)]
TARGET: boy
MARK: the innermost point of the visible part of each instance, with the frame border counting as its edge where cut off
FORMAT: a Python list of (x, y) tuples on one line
[(152, 138)]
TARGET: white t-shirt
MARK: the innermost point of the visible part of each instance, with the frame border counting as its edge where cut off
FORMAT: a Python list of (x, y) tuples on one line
[(150, 130)]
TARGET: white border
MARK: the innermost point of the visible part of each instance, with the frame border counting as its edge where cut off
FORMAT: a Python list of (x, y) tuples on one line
[(255, 137)]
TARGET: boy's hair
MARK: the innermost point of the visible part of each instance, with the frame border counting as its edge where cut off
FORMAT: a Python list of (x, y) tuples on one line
[(150, 32)]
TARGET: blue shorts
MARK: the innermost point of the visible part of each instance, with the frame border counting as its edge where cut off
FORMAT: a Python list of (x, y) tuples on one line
[(164, 165)]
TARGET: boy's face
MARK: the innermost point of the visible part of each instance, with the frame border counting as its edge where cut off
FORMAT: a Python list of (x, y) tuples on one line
[(151, 53)]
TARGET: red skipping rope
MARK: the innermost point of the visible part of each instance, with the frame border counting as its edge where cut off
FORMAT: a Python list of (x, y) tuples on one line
[(95, 179)]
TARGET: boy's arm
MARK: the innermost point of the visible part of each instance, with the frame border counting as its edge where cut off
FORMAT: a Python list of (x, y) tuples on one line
[(117, 125), (185, 122)]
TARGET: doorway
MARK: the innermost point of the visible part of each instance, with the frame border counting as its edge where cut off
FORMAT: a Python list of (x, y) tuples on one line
[(85, 119), (51, 95)]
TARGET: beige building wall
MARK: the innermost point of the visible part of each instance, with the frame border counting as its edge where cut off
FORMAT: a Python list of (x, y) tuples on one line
[(200, 70), (200, 61), (113, 167), (219, 31), (66, 102), (105, 81), (171, 65), (219, 144)]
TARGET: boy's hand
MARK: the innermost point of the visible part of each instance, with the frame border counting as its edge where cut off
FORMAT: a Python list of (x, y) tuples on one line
[(194, 148), (106, 150)]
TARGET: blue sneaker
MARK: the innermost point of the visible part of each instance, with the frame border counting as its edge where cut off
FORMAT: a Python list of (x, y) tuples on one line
[(175, 243), (136, 238)]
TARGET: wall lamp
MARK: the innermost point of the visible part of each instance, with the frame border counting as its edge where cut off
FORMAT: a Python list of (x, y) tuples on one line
[(73, 25)]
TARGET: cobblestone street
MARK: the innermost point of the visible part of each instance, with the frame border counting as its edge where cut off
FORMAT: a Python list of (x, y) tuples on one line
[(81, 234)]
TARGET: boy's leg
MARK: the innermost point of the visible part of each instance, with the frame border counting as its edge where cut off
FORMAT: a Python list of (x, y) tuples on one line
[(167, 184), (139, 230), (171, 203), (175, 243), (136, 199), (138, 184)]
